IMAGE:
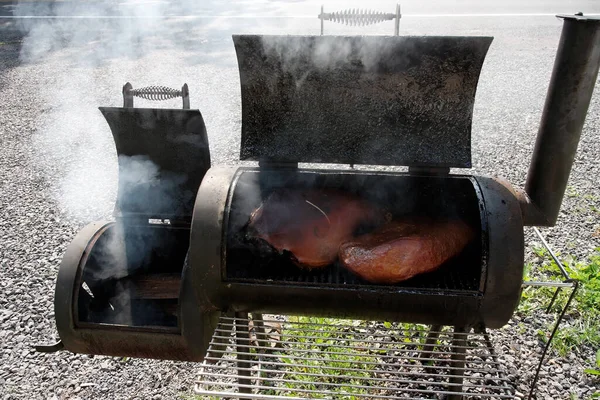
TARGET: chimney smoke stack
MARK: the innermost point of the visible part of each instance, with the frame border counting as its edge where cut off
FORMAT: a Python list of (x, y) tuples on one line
[(569, 94)]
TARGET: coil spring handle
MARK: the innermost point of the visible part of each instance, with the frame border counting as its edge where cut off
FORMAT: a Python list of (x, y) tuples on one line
[(155, 93), (362, 17)]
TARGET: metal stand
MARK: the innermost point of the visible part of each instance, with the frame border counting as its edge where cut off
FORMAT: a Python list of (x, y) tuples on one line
[(568, 282), (430, 342), (341, 360)]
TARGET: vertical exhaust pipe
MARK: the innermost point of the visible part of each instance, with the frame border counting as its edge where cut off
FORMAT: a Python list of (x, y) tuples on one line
[(569, 94)]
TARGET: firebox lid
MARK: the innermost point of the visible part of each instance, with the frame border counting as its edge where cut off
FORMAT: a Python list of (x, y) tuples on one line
[(163, 155), (399, 100)]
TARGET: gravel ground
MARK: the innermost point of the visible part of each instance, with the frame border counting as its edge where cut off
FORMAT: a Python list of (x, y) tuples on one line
[(58, 172)]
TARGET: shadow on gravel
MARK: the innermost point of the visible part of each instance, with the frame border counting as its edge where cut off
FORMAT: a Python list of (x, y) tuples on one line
[(11, 41)]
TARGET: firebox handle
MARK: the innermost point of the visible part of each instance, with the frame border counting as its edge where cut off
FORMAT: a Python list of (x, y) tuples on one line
[(155, 93), (50, 348)]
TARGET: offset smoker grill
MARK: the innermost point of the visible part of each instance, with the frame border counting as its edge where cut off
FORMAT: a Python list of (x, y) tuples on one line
[(394, 101), (401, 101), (162, 282)]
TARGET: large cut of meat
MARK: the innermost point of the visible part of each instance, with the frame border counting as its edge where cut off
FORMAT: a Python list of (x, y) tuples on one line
[(402, 249), (311, 224)]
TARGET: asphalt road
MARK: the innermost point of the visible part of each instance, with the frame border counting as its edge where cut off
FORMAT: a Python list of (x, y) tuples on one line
[(59, 61), (290, 7)]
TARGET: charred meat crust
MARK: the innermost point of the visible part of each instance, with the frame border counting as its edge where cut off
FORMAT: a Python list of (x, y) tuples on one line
[(310, 225), (405, 248)]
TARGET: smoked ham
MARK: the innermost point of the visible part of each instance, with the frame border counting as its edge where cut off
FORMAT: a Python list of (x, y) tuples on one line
[(311, 224), (402, 249)]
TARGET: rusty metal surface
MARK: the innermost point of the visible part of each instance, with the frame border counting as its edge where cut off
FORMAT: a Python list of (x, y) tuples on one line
[(359, 100), (163, 156), (207, 240), (569, 95), (506, 252), (69, 274)]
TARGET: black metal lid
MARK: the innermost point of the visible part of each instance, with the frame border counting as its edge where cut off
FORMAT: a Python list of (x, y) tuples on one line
[(359, 100), (163, 156), (579, 17)]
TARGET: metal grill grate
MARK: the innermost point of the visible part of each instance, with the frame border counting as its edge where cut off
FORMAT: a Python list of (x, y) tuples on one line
[(308, 357), (460, 277)]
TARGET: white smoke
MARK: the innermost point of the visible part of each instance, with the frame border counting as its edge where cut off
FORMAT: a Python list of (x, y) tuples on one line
[(87, 51)]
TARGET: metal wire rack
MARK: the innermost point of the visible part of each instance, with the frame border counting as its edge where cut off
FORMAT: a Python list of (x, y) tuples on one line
[(309, 357)]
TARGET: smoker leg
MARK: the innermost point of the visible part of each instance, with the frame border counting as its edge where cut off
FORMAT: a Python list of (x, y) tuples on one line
[(242, 344), (459, 344), (481, 330), (430, 342)]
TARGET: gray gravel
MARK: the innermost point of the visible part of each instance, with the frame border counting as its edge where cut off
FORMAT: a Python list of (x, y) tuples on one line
[(519, 349), (58, 172)]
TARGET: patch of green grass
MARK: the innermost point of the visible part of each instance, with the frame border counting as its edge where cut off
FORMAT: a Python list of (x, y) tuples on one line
[(581, 209), (4, 43), (186, 396), (540, 251), (324, 354), (582, 325), (578, 332), (595, 371), (572, 192), (334, 364), (571, 245)]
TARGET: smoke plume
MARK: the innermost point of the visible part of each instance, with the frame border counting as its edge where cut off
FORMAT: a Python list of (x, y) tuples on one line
[(88, 50)]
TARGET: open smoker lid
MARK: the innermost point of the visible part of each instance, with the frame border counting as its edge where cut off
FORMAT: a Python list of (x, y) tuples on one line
[(359, 100)]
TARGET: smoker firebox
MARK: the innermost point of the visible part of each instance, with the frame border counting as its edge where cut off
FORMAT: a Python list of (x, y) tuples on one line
[(132, 276), (121, 294), (122, 287)]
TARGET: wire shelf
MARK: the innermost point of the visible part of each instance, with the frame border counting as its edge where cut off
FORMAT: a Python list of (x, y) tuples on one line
[(309, 357)]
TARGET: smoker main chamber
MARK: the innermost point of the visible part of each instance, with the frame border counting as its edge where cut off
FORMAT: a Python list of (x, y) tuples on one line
[(481, 285), (154, 282)]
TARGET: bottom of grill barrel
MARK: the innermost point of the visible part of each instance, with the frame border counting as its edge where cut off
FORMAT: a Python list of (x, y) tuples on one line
[(309, 357)]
